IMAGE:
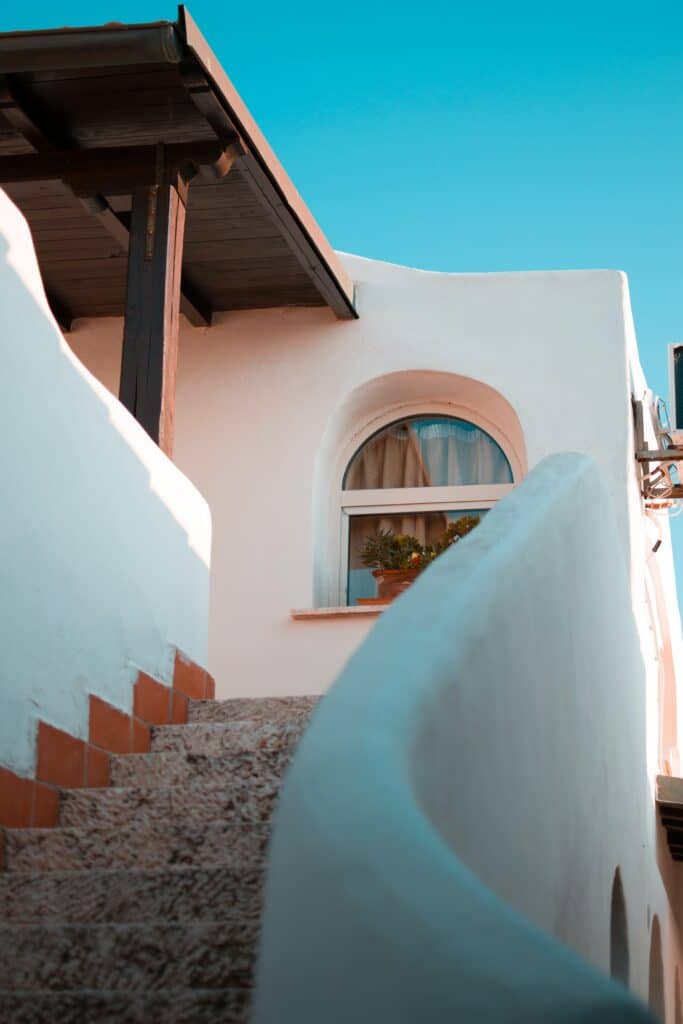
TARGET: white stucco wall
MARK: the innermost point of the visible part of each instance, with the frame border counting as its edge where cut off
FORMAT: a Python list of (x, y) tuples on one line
[(469, 786), (105, 544), (269, 401)]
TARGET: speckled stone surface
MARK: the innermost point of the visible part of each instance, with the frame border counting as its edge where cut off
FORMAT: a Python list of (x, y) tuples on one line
[(126, 957), (144, 904), (227, 738), (264, 709), (173, 768), (156, 845), (124, 897), (177, 1006), (239, 799)]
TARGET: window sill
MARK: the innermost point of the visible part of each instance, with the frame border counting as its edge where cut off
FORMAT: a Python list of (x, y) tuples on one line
[(351, 612)]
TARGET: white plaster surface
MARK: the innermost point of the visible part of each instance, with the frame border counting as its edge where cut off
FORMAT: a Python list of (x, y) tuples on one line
[(270, 403), (471, 782), (105, 545)]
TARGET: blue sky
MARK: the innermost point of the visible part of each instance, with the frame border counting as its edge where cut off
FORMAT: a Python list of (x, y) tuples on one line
[(474, 137)]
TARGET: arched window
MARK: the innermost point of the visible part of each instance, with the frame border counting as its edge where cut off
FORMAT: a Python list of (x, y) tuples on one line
[(619, 958), (656, 981), (414, 476)]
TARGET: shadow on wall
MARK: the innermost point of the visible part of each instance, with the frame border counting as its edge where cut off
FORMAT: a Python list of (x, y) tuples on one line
[(656, 974), (619, 957), (105, 543)]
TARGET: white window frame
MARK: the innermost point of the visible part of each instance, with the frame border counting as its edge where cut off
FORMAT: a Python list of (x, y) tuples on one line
[(410, 500)]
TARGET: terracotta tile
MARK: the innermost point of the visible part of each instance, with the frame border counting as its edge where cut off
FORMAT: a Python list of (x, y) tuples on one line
[(45, 806), (16, 800), (141, 737), (179, 705), (152, 700), (97, 767), (210, 687), (110, 728), (61, 757), (189, 678)]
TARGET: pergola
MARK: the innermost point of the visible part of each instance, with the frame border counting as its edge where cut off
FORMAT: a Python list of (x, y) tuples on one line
[(150, 191)]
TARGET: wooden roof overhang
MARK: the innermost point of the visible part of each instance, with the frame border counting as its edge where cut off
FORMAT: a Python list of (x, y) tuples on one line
[(87, 115)]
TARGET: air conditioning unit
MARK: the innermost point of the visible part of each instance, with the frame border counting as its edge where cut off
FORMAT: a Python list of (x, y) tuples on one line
[(676, 394)]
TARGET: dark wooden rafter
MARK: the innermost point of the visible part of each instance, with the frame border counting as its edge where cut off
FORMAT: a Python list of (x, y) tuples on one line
[(42, 133), (60, 311), (150, 338), (207, 87)]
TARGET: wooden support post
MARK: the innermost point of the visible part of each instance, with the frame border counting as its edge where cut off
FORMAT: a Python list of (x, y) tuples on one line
[(150, 336)]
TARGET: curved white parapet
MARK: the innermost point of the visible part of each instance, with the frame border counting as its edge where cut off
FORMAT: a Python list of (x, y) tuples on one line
[(104, 544), (467, 787)]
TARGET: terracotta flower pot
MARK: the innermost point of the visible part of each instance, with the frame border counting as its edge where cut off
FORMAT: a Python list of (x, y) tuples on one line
[(392, 582)]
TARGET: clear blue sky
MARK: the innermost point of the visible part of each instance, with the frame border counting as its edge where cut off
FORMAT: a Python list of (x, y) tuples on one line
[(478, 136)]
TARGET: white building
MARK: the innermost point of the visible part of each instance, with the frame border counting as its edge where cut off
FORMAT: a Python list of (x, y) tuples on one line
[(524, 692)]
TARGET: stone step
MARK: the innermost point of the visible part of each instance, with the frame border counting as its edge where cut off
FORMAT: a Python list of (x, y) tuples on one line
[(172, 1006), (133, 846), (126, 957), (227, 738), (262, 769), (256, 709), (235, 799), (132, 897)]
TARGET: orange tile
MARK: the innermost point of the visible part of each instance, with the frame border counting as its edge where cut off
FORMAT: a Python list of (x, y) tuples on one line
[(151, 700), (189, 678), (210, 687), (16, 800), (97, 768), (110, 728), (45, 806), (61, 758), (141, 737), (179, 703)]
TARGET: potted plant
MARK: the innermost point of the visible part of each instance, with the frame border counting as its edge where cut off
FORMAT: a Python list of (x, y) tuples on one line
[(396, 559)]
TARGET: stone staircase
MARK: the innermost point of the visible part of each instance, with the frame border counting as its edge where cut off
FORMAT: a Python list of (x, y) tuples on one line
[(144, 904)]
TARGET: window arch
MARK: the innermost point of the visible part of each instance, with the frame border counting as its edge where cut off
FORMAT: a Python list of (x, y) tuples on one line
[(619, 957), (414, 476)]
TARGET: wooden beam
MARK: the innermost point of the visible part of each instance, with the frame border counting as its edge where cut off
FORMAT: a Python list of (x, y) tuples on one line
[(115, 170), (60, 311), (27, 119), (33, 123), (150, 338)]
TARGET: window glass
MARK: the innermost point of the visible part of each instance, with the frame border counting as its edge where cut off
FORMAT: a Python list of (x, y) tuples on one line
[(427, 527), (434, 451)]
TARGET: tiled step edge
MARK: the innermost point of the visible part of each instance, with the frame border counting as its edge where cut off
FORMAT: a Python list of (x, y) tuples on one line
[(66, 761)]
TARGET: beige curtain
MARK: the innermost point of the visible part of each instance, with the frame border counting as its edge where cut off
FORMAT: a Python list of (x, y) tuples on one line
[(392, 460)]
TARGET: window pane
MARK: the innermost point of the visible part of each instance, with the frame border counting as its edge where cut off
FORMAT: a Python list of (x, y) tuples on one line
[(426, 526), (428, 452)]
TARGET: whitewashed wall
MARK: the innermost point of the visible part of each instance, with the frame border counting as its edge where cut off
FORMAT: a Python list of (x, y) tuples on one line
[(469, 786), (105, 545), (270, 401)]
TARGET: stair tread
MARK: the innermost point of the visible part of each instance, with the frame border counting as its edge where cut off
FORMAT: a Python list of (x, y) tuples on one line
[(155, 845), (238, 798), (172, 1006), (172, 893), (145, 902), (255, 708), (132, 957)]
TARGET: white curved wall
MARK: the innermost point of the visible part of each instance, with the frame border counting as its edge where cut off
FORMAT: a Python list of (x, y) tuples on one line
[(262, 392), (105, 544), (481, 757)]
